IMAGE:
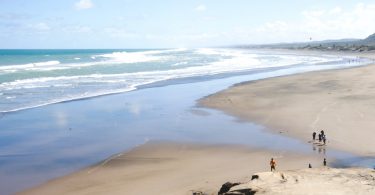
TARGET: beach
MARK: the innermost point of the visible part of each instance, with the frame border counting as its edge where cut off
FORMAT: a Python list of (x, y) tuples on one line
[(173, 168), (187, 98), (162, 133), (340, 102)]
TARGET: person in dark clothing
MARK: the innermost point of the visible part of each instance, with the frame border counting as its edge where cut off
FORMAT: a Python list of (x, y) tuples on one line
[(324, 139), (310, 166), (273, 164), (320, 137), (314, 134), (325, 162), (322, 132)]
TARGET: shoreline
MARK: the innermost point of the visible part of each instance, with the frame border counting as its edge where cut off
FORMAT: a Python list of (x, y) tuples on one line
[(284, 105), (248, 174)]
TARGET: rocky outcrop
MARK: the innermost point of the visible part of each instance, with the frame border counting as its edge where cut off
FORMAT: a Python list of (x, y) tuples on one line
[(308, 181), (226, 187)]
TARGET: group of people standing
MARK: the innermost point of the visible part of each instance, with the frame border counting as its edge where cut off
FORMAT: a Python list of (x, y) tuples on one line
[(321, 136)]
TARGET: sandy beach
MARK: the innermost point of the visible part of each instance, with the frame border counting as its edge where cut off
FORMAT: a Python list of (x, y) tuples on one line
[(173, 168), (340, 102), (187, 98)]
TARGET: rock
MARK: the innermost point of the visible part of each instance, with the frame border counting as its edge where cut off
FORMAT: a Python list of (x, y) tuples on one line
[(226, 187), (246, 191), (254, 177)]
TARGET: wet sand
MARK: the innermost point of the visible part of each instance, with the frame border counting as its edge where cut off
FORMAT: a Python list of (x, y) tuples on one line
[(173, 168), (340, 102)]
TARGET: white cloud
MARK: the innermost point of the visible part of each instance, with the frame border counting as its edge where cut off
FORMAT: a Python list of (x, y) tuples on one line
[(320, 24), (336, 10), (276, 26), (83, 4), (77, 29), (201, 8), (119, 32), (41, 27), (357, 22)]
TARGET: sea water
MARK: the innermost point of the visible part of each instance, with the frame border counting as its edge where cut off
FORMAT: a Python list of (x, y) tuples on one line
[(32, 78)]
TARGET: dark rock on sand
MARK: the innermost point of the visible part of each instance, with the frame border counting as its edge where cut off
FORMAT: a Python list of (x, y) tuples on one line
[(241, 192), (226, 187), (254, 177)]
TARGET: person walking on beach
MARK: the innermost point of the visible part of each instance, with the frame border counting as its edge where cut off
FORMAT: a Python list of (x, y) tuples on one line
[(325, 162), (314, 134), (324, 139), (273, 164), (310, 166), (320, 137), (322, 132)]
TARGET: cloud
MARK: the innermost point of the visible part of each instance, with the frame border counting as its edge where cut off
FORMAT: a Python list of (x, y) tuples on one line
[(276, 26), (14, 16), (83, 4), (119, 32), (41, 26), (357, 22), (320, 24), (77, 29), (200, 8)]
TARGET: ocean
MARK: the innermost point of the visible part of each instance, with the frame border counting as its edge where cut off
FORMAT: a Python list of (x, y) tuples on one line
[(32, 78)]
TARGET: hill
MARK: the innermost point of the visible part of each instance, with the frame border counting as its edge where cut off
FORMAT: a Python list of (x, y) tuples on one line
[(353, 45)]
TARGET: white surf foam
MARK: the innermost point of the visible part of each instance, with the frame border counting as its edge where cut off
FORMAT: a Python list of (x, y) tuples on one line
[(137, 57), (84, 86), (103, 59), (29, 66)]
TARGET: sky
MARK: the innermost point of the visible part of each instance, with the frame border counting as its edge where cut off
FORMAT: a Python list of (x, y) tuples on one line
[(74, 24)]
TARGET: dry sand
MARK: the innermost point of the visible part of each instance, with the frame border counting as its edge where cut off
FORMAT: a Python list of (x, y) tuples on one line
[(313, 181), (341, 102), (171, 168)]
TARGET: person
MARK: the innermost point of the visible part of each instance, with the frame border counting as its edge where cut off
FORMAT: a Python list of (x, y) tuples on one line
[(320, 137), (310, 166), (324, 139), (322, 132), (273, 164), (314, 134), (325, 162)]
